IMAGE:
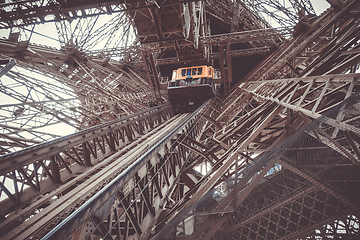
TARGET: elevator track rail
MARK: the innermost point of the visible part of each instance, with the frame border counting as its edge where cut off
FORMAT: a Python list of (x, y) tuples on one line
[(47, 174), (128, 187)]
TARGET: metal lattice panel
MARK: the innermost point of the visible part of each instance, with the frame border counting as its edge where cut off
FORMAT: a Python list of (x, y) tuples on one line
[(140, 173), (309, 182)]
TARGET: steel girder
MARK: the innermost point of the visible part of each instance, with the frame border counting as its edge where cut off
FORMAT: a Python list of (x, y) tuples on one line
[(267, 114), (255, 118), (284, 13), (9, 63), (259, 121), (271, 34), (55, 168), (88, 92), (306, 187), (95, 32), (153, 75), (247, 111), (294, 57), (177, 29), (225, 67), (132, 202), (317, 39), (32, 12)]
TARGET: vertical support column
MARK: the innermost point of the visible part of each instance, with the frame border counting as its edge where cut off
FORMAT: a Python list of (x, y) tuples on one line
[(9, 64), (152, 75), (222, 66), (225, 67), (86, 153), (55, 170), (235, 17), (229, 69)]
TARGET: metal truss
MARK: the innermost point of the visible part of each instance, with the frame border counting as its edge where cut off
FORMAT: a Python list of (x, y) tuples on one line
[(130, 54), (260, 123), (33, 107), (32, 12), (9, 63), (253, 111), (323, 38), (152, 28), (284, 13), (131, 200), (246, 19), (260, 41), (90, 89), (137, 173), (299, 189), (267, 114), (51, 86), (275, 34), (153, 75), (225, 67), (92, 33), (314, 49), (194, 21), (175, 26), (56, 167), (241, 22), (244, 52)]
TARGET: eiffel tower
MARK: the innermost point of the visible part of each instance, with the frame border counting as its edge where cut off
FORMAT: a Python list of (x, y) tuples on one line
[(91, 148)]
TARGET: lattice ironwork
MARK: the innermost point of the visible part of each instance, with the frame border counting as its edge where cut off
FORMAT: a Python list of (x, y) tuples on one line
[(283, 13), (79, 93), (56, 167), (300, 189), (140, 178), (128, 205)]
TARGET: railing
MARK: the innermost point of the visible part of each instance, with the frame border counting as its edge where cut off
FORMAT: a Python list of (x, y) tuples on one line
[(134, 200), (42, 168)]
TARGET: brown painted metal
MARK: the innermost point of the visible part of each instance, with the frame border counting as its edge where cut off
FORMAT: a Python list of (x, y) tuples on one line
[(298, 82), (75, 161)]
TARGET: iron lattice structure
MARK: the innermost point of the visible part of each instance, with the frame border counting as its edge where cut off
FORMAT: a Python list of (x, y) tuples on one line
[(274, 155)]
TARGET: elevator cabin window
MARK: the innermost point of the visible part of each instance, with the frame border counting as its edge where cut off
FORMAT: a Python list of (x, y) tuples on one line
[(194, 71), (183, 72), (188, 72)]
